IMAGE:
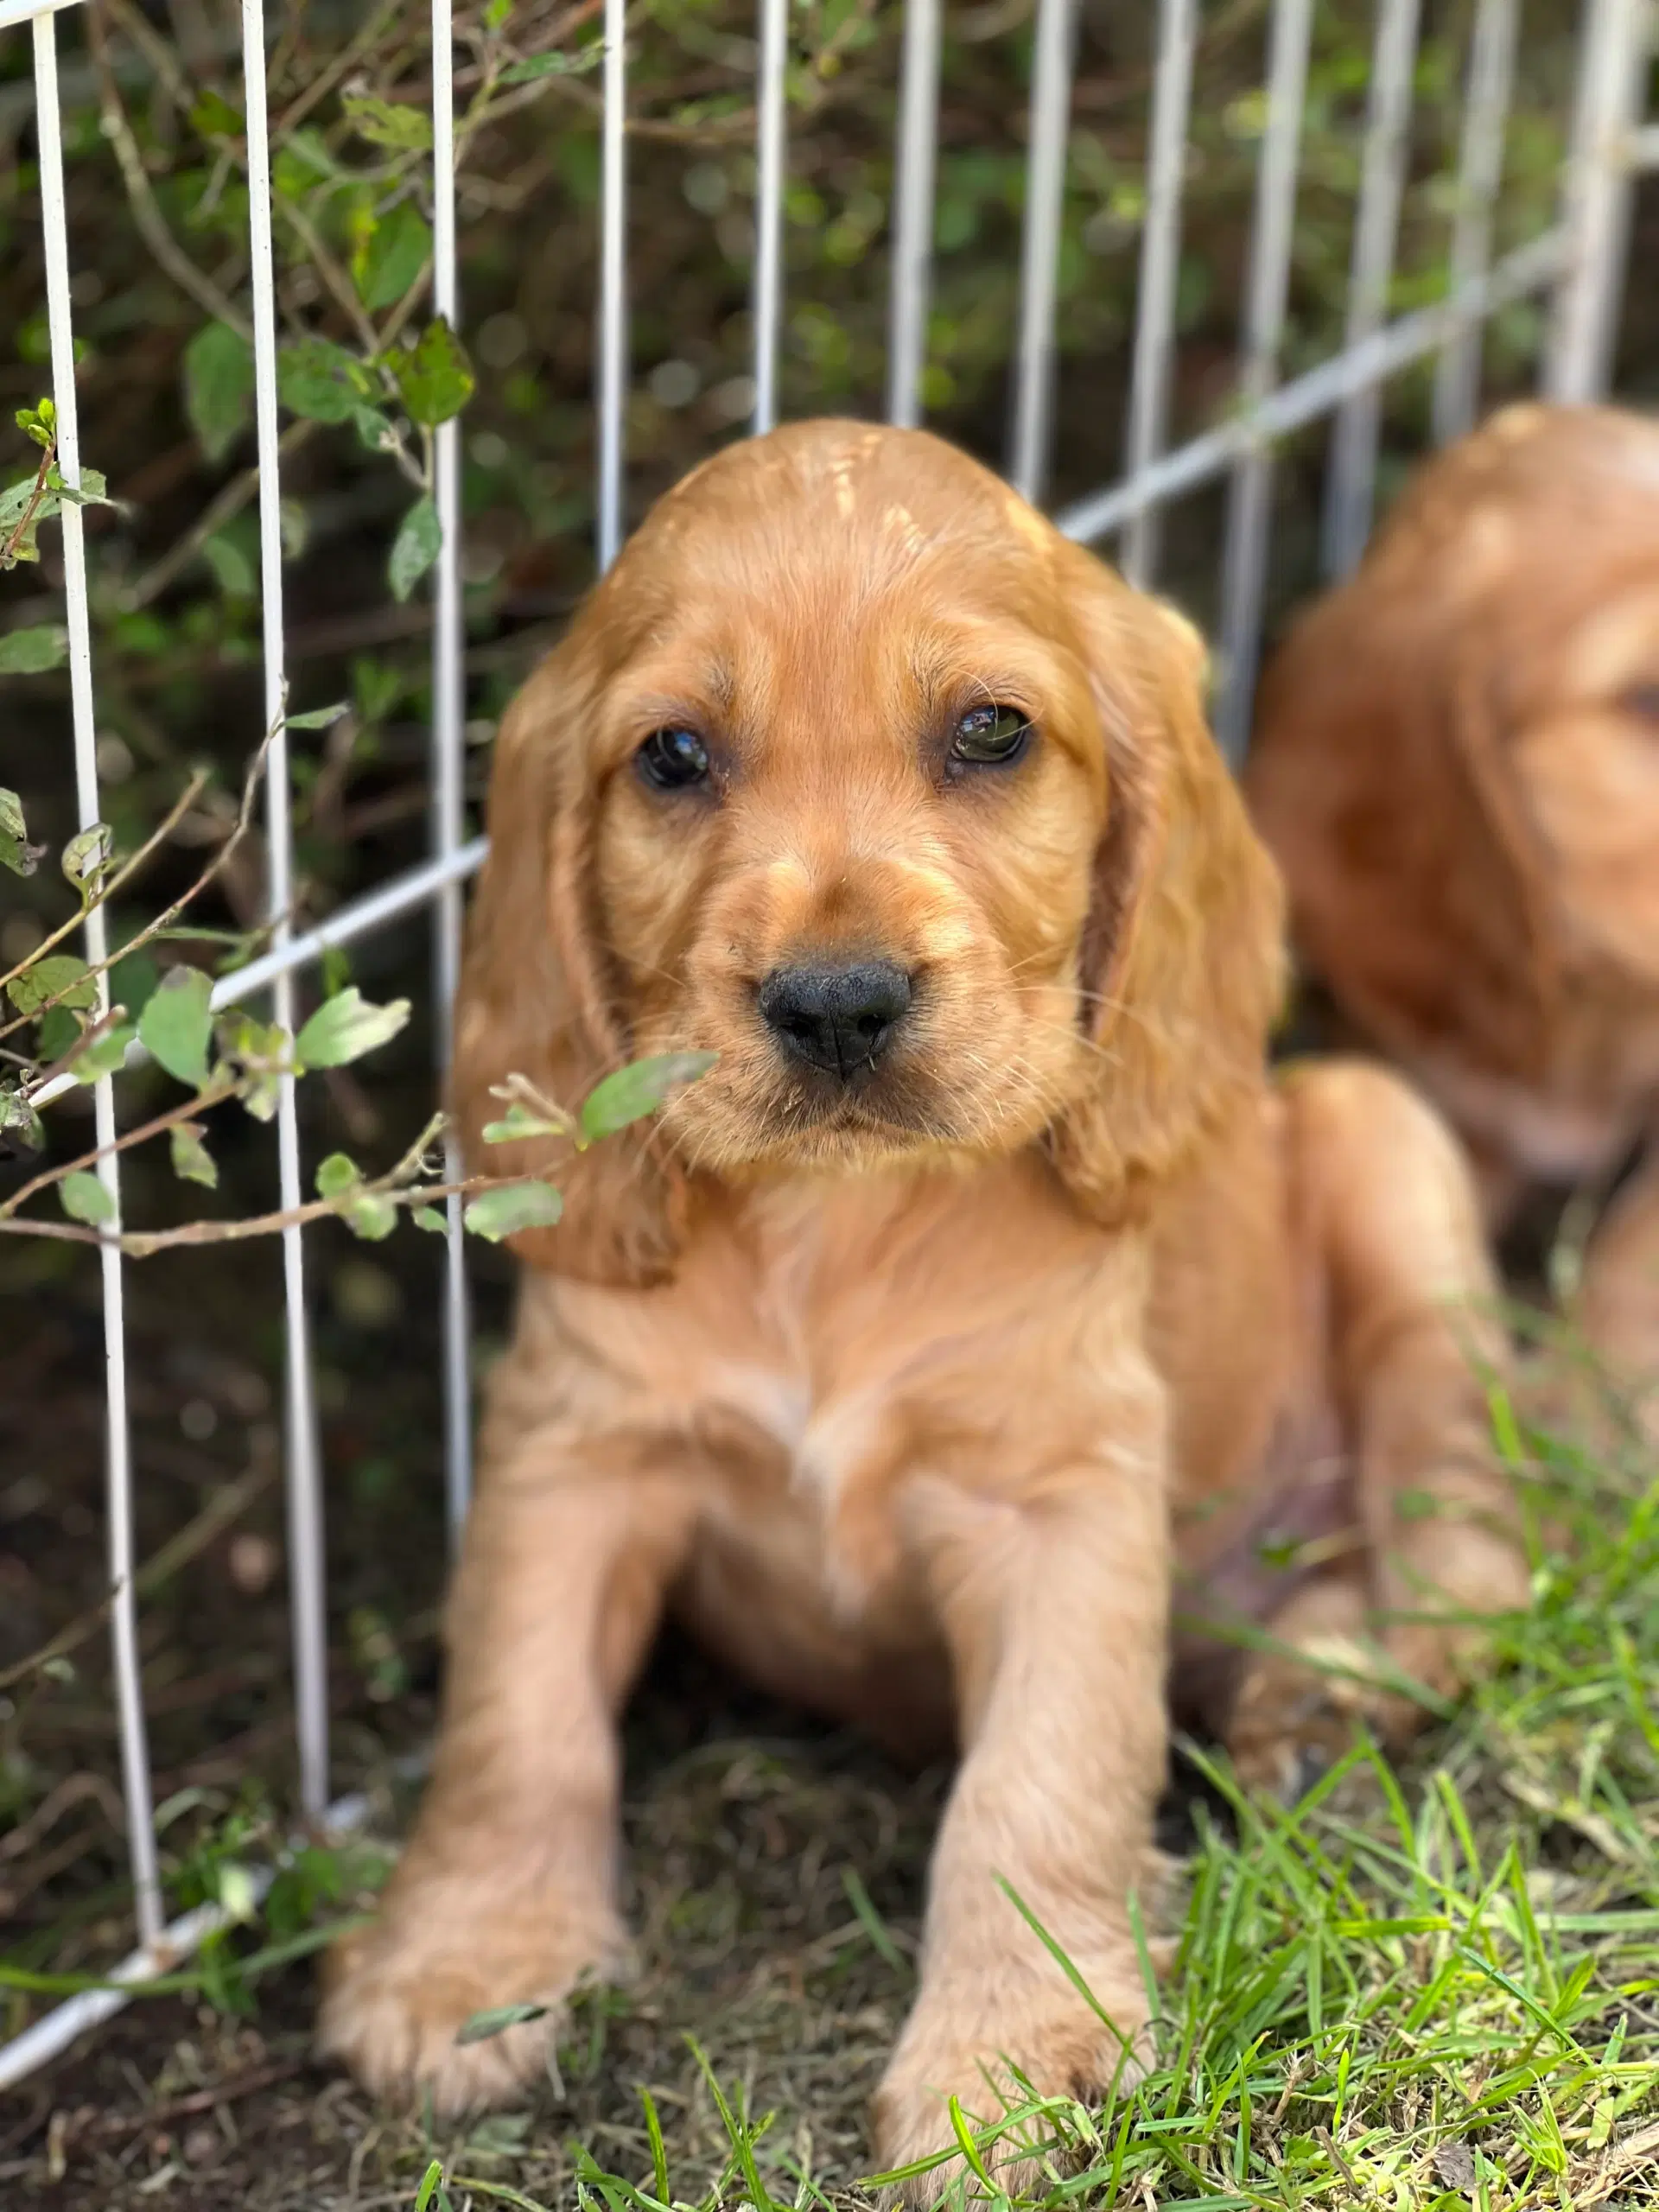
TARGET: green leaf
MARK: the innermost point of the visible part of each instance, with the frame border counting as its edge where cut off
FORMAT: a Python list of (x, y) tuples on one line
[(217, 386), (86, 858), (345, 1026), (21, 1122), (434, 377), (320, 381), (133, 980), (415, 547), (634, 1091), (391, 254), (92, 490), (371, 1217), (519, 1121), (429, 1218), (60, 976), (316, 717), (57, 1034), (214, 117), (105, 1055), (15, 851), (537, 66), (233, 570), (191, 1158), (31, 653), (496, 1214), (497, 14), (430, 2181), (497, 2019), (83, 1198), (373, 430), (177, 1024), (339, 1173), (402, 130)]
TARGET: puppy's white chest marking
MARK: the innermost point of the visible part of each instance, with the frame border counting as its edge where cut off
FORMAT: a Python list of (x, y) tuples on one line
[(825, 1445)]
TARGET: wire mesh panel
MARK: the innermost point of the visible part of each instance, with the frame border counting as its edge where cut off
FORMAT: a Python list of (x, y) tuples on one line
[(1576, 264)]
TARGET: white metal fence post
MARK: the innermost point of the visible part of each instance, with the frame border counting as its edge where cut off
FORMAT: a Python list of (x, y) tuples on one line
[(1161, 270), (1480, 171), (448, 770), (1596, 210), (117, 1442), (1040, 255), (767, 306), (1250, 502), (613, 284), (912, 217), (1350, 482), (307, 1594)]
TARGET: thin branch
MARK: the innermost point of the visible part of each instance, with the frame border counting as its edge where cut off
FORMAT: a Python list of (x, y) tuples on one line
[(166, 919), (180, 807), (8, 552), (146, 209), (214, 1095), (223, 508), (142, 1244), (228, 1505)]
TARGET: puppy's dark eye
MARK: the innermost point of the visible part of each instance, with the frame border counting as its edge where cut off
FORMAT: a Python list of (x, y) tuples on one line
[(990, 734), (673, 759)]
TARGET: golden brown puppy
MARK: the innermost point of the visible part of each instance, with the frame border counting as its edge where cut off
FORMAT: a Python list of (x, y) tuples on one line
[(984, 1255), (1457, 762)]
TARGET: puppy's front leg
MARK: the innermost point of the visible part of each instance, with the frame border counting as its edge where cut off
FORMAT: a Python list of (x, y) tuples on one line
[(506, 1893), (1056, 1612)]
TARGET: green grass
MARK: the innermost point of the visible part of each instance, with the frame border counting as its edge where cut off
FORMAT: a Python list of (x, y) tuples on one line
[(1428, 1989), (1425, 1987)]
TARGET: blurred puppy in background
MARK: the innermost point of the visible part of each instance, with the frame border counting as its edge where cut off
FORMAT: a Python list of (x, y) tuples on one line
[(1456, 761), (984, 1261)]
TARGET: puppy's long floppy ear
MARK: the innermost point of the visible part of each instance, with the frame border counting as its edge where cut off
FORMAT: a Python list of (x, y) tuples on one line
[(1379, 778), (1182, 964), (538, 998)]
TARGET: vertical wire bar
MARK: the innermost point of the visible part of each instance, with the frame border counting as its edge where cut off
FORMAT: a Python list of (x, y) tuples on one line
[(613, 282), (914, 161), (1480, 172), (1161, 261), (767, 307), (1350, 487), (124, 1618), (448, 770), (307, 1587), (1249, 503), (1040, 254), (1597, 200)]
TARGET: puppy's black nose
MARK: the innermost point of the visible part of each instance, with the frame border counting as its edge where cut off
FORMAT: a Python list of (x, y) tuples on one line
[(840, 1020)]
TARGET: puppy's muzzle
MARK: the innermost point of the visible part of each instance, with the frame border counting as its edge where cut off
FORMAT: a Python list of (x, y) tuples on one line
[(837, 1020)]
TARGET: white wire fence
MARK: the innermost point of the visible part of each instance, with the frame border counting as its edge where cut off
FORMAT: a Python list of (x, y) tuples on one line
[(1574, 267)]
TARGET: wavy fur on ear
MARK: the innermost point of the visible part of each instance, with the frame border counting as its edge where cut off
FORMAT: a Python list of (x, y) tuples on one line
[(1182, 967), (537, 997), (1380, 779)]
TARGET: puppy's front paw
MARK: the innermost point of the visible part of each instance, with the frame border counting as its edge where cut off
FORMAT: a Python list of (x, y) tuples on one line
[(398, 1993), (963, 2040)]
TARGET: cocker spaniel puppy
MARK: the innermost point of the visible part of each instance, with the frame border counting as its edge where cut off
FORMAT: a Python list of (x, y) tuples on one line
[(983, 1293), (1457, 763)]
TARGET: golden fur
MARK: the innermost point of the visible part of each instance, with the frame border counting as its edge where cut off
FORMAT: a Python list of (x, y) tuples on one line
[(926, 1401), (1457, 764)]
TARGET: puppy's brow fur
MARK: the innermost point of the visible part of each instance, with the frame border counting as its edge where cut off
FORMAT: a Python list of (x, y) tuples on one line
[(1457, 763), (917, 1395)]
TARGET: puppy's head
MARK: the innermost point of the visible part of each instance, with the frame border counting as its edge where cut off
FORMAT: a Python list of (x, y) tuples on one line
[(856, 773), (1457, 753)]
